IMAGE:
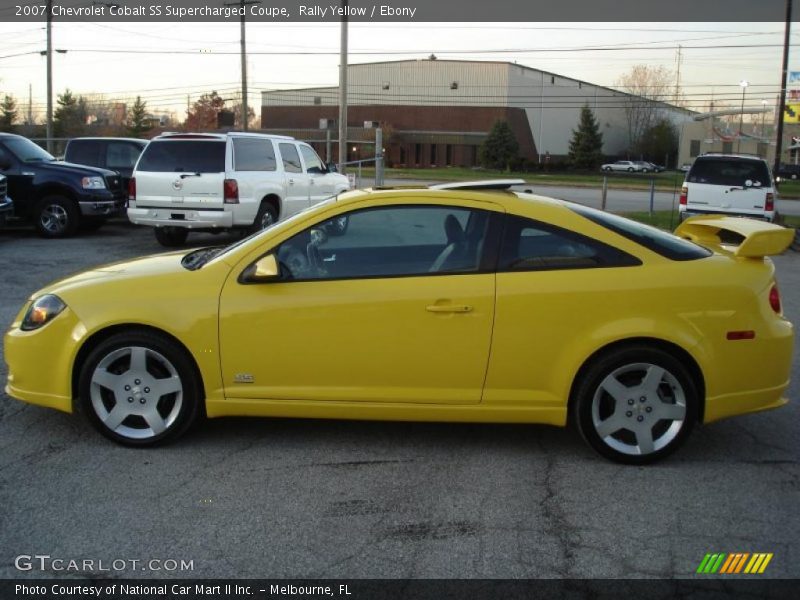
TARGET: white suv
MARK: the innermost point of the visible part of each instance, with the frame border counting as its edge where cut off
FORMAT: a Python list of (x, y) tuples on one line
[(212, 182), (731, 184)]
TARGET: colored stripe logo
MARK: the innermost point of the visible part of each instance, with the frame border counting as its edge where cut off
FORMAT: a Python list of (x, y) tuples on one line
[(736, 563)]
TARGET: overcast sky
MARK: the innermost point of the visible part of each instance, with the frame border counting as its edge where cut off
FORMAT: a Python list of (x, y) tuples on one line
[(163, 62)]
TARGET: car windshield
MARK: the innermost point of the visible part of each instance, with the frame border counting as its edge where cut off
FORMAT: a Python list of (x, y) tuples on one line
[(196, 259), (188, 156), (660, 242), (26, 151), (729, 171)]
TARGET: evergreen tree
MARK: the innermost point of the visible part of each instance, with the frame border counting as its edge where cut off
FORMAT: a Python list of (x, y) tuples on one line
[(9, 113), (586, 146), (137, 118), (69, 119), (501, 148)]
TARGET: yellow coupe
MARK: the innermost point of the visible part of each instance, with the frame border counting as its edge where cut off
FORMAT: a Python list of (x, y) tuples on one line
[(462, 303)]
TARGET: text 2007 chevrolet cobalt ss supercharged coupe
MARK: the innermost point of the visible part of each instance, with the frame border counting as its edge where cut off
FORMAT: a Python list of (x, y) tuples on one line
[(457, 304)]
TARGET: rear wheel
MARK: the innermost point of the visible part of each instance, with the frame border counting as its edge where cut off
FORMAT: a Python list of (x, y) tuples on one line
[(266, 216), (139, 389), (171, 236), (636, 405), (57, 216)]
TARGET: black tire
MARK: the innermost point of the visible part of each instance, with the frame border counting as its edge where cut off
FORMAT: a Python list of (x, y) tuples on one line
[(88, 225), (641, 423), (645, 170), (171, 237), (131, 413), (266, 216), (57, 217), (607, 169), (794, 175), (337, 226), (630, 169)]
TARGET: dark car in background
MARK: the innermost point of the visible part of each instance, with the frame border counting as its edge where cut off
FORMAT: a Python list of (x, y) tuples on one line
[(58, 197), (788, 171), (114, 154)]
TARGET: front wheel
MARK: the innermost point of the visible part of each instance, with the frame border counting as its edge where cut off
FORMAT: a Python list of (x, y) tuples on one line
[(171, 236), (57, 217), (139, 389), (635, 405), (630, 169)]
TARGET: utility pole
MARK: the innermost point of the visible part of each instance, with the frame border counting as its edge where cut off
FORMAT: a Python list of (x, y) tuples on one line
[(343, 91), (243, 51), (678, 77), (782, 105), (30, 104), (49, 51)]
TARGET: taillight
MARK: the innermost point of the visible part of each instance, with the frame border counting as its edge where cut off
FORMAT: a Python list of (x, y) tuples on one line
[(769, 205), (132, 189), (775, 299), (684, 195), (230, 191)]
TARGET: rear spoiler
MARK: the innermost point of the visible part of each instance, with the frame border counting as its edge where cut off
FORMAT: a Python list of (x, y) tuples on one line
[(758, 238)]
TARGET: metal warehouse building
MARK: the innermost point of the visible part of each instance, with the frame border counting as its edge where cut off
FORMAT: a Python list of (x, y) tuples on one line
[(438, 112)]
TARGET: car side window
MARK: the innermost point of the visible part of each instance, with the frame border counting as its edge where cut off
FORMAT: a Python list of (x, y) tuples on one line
[(253, 154), (529, 245), (85, 152), (313, 162), (291, 159), (392, 241)]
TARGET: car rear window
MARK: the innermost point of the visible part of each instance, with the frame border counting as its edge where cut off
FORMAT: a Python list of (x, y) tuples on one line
[(83, 152), (182, 156), (729, 171), (663, 243)]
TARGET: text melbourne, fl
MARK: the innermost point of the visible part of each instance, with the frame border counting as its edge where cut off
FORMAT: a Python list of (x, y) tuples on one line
[(331, 10)]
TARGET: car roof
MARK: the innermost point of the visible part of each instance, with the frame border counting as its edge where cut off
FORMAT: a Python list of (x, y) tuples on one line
[(114, 139), (177, 135), (719, 155)]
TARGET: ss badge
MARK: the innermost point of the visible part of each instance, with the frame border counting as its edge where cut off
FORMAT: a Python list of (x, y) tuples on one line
[(243, 378)]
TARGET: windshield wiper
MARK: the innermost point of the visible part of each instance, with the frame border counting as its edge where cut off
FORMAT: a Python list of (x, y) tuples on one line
[(195, 260)]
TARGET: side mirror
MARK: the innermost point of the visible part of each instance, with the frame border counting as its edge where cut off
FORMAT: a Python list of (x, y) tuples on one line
[(264, 269), (332, 167)]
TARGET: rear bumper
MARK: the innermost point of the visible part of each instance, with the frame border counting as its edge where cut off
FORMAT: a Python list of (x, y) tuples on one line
[(685, 213), (189, 218), (731, 405)]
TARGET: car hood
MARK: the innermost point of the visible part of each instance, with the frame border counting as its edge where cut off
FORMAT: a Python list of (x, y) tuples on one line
[(56, 166), (168, 264)]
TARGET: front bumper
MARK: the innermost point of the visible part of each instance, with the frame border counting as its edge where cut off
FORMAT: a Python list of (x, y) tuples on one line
[(189, 218), (6, 210), (102, 205), (40, 361)]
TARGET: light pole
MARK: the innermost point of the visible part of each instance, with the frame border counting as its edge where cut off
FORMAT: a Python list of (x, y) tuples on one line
[(743, 83), (763, 125)]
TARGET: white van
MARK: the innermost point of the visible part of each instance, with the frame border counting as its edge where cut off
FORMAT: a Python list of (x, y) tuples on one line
[(186, 182), (730, 184)]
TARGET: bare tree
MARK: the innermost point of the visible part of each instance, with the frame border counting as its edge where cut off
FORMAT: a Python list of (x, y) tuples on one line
[(648, 88)]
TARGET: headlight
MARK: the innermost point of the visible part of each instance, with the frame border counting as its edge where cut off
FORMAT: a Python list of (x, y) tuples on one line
[(93, 183), (42, 311)]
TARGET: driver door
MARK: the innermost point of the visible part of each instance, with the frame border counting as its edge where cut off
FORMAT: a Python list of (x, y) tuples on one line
[(361, 317)]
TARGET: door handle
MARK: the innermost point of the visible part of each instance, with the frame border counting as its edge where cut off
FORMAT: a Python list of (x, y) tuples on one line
[(448, 308), (291, 182)]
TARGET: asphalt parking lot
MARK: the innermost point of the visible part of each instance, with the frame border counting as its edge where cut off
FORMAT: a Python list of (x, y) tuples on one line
[(318, 499)]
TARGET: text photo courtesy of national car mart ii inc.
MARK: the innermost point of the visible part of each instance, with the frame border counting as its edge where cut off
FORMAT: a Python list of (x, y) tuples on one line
[(314, 11)]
